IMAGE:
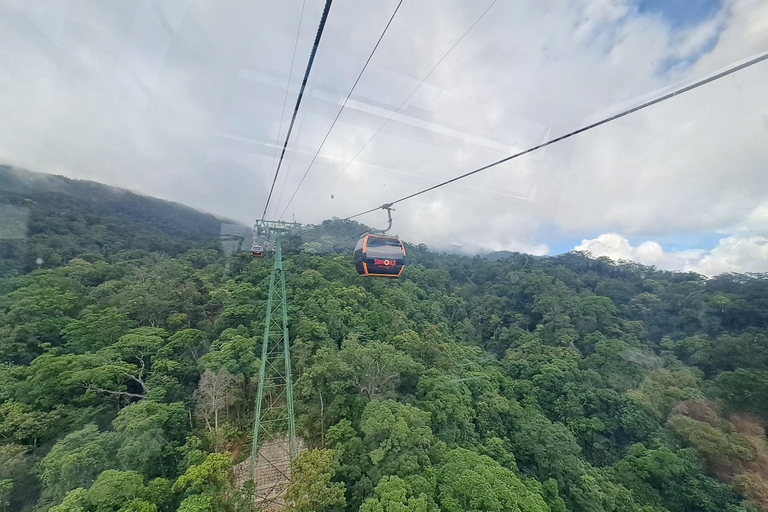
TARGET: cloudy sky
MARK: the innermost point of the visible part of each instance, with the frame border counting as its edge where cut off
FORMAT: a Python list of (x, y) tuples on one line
[(183, 99)]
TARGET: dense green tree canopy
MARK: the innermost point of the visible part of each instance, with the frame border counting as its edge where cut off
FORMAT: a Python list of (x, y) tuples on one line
[(130, 362)]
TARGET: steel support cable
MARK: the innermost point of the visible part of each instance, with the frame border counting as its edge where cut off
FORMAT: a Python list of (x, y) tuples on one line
[(665, 97), (288, 85), (568, 135), (401, 106), (344, 104), (320, 28)]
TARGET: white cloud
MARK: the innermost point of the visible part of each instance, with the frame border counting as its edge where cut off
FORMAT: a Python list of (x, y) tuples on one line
[(736, 255), (690, 42), (732, 254), (610, 244), (755, 223), (619, 248)]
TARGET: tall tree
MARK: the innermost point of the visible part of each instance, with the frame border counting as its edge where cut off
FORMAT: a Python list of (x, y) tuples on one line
[(213, 395)]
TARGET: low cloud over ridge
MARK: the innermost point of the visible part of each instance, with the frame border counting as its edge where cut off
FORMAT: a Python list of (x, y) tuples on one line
[(732, 254)]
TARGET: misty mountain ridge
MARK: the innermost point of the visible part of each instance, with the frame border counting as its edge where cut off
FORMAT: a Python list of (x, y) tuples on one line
[(511, 255), (47, 220), (26, 197), (24, 182)]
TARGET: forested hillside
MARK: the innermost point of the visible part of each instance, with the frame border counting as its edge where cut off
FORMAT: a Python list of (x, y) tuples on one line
[(45, 221), (130, 362)]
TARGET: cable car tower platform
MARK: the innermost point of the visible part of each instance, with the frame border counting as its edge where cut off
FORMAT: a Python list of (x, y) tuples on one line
[(274, 432)]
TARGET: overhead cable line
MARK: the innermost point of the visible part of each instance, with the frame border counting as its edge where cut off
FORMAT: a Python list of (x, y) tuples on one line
[(632, 110), (344, 104), (401, 105), (624, 113), (288, 85), (298, 100)]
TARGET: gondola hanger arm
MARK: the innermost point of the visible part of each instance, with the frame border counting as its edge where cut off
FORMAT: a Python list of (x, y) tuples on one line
[(388, 207)]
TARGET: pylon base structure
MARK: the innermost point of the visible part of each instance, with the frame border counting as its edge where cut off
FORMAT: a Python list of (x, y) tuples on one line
[(274, 433)]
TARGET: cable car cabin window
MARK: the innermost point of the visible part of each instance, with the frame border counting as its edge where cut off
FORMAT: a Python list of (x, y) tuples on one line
[(379, 256), (384, 248)]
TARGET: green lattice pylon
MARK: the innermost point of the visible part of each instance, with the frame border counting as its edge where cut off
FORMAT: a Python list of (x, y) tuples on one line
[(274, 433)]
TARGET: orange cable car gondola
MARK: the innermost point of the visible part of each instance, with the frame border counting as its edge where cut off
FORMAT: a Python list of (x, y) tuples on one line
[(379, 255), (257, 251)]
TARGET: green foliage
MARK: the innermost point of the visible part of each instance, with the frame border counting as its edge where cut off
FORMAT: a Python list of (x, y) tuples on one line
[(205, 485), (311, 489), (96, 330), (118, 491), (76, 461), (196, 503), (392, 496), (548, 449), (6, 490), (74, 501), (149, 434), (19, 485), (71, 218), (720, 448), (450, 405), (138, 506), (234, 352), (210, 476), (471, 482), (558, 384), (377, 369), (745, 389), (397, 437), (662, 389), (112, 489), (22, 424), (672, 479), (33, 317)]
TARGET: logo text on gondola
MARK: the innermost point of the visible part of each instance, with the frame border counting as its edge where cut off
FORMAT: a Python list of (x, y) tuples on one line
[(385, 263)]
